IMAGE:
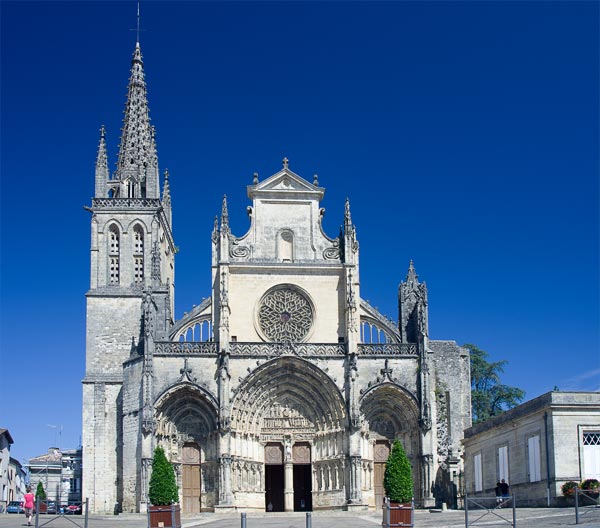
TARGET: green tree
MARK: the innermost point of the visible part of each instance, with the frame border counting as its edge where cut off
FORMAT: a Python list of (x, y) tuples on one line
[(397, 479), (39, 491), (163, 488), (489, 397)]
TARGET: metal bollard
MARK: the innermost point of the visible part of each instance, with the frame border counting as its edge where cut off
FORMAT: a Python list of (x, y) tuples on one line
[(243, 520), (308, 519)]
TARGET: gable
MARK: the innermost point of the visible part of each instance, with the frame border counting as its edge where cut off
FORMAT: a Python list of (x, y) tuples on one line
[(285, 183)]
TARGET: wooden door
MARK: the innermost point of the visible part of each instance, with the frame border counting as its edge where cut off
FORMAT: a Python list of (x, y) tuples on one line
[(381, 452), (191, 482)]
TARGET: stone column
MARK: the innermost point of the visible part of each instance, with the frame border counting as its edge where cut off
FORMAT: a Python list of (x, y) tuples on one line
[(355, 479), (288, 487), (225, 495), (427, 478)]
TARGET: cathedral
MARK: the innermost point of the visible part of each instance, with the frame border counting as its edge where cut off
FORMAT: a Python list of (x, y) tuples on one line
[(284, 389)]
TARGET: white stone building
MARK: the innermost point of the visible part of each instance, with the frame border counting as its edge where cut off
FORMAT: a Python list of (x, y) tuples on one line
[(536, 447), (17, 480), (281, 391), (60, 474), (5, 442)]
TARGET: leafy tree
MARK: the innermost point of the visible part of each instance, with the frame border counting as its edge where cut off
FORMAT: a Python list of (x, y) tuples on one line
[(163, 488), (39, 491), (489, 397), (397, 479)]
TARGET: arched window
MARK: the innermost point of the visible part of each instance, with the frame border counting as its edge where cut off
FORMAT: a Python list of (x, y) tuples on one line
[(285, 246), (138, 255), (114, 250)]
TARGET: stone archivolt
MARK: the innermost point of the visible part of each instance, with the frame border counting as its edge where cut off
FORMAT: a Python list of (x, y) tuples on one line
[(287, 396)]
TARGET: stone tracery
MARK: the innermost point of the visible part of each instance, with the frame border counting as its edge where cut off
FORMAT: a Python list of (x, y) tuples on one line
[(285, 314)]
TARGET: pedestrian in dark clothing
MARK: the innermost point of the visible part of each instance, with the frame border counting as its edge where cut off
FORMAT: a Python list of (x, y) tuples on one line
[(504, 489)]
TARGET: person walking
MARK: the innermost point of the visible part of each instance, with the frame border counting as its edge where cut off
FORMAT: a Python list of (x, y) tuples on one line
[(504, 488), (498, 494), (29, 500)]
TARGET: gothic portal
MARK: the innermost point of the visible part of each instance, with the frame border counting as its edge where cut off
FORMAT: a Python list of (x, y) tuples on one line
[(284, 389)]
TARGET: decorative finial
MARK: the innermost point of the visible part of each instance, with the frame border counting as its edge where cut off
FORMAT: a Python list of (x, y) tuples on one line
[(102, 131), (285, 162), (137, 35), (224, 214), (316, 179), (347, 216), (411, 276), (255, 178)]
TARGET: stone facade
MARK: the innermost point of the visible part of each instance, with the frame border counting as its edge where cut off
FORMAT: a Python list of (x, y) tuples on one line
[(536, 447), (281, 391)]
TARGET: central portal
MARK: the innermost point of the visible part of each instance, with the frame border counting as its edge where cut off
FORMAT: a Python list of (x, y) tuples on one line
[(288, 478), (302, 488)]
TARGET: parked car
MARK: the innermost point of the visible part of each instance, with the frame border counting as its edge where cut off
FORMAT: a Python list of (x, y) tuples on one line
[(73, 509), (15, 507), (52, 507)]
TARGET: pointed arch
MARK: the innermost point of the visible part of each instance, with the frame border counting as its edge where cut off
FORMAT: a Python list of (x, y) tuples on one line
[(390, 410), (186, 411), (288, 381)]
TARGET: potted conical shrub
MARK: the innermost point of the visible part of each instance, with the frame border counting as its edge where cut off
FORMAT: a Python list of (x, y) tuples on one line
[(398, 485), (163, 495), (40, 498)]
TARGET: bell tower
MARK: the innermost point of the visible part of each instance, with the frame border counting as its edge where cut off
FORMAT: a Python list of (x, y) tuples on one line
[(131, 295)]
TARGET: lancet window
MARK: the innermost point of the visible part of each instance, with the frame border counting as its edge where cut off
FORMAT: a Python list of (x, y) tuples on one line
[(371, 333), (114, 253), (138, 255), (285, 246), (199, 330)]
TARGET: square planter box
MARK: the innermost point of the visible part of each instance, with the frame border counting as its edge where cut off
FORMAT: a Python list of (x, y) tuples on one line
[(164, 516), (401, 514)]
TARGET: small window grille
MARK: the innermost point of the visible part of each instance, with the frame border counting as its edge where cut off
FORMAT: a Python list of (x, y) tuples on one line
[(113, 254), (138, 269), (138, 255), (591, 439), (114, 270)]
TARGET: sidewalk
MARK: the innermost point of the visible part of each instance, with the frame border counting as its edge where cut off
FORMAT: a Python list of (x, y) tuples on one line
[(526, 518)]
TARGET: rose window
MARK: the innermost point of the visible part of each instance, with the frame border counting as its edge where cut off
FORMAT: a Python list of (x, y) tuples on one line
[(285, 315)]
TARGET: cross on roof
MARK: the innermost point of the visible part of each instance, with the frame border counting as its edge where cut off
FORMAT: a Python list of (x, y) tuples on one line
[(386, 371), (186, 371), (285, 163)]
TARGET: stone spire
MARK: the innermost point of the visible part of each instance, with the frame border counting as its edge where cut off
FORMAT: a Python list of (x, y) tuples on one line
[(137, 168), (412, 307), (349, 242), (347, 215), (166, 199), (102, 167), (224, 216), (412, 279)]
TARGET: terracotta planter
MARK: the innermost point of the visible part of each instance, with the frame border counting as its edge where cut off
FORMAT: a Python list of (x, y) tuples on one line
[(164, 516), (401, 514)]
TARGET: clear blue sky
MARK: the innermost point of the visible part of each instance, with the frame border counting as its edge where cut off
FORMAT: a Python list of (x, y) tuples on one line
[(464, 133)]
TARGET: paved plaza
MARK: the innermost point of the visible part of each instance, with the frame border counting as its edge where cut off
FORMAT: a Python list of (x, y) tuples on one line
[(526, 518)]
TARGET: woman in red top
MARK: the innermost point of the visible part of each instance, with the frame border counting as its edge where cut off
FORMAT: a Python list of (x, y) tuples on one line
[(28, 505)]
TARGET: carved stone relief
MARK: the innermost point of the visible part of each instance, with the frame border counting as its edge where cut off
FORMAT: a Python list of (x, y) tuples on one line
[(381, 452), (301, 454), (273, 454)]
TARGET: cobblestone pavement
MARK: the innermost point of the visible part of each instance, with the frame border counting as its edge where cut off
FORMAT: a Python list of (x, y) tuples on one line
[(526, 518)]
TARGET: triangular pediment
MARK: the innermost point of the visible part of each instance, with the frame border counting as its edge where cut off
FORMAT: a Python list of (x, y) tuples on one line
[(285, 182)]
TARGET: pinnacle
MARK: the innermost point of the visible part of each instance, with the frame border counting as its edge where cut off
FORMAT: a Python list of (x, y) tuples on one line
[(137, 152)]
